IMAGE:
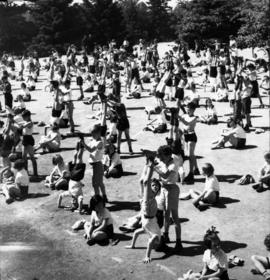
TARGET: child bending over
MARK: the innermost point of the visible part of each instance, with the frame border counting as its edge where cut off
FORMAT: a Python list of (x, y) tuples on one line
[(148, 214), (100, 229)]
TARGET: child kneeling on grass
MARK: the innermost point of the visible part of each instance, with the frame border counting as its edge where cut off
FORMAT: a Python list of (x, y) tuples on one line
[(210, 194), (100, 229), (261, 263), (148, 214), (75, 185)]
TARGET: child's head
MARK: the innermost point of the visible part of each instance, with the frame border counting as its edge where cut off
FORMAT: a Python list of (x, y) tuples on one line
[(267, 242), (26, 114), (267, 157), (164, 153), (208, 169), (23, 86), (19, 97), (96, 131), (155, 186), (55, 127), (57, 159), (208, 103), (97, 203), (211, 239), (191, 108), (19, 164), (109, 149)]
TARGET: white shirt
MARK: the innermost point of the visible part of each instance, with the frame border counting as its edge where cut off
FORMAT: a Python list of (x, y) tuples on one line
[(214, 262), (173, 167), (96, 155), (22, 178), (75, 188), (98, 218), (211, 184), (67, 93), (239, 132)]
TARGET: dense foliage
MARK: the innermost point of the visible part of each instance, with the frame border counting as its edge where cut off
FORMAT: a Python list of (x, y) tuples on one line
[(43, 24)]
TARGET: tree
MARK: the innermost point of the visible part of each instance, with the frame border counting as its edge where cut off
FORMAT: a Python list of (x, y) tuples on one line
[(58, 25), (208, 19), (255, 23)]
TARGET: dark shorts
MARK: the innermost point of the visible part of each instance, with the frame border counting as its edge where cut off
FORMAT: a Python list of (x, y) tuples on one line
[(160, 218), (213, 72), (190, 137), (169, 82), (92, 69), (79, 81), (222, 69), (223, 276), (179, 94), (122, 124), (255, 89), (241, 143), (246, 105), (109, 231), (28, 140)]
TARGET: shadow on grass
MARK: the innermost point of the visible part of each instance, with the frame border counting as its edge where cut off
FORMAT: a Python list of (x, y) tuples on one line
[(223, 201), (131, 156), (123, 205), (247, 147), (127, 173), (198, 248), (231, 178)]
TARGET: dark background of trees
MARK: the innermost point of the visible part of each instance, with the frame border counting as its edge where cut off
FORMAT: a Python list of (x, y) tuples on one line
[(43, 24)]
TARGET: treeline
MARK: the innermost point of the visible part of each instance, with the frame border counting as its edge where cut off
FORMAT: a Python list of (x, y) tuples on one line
[(43, 24)]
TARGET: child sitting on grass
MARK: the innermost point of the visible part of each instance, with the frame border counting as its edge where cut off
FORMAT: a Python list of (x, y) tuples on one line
[(75, 185), (100, 229), (210, 117), (264, 175), (112, 162), (261, 263), (210, 194), (148, 213), (58, 179)]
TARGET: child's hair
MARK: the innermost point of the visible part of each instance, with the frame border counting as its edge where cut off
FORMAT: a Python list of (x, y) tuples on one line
[(208, 169), (19, 164), (19, 97), (164, 150), (23, 85), (267, 155), (96, 129), (95, 200), (156, 182), (209, 236), (26, 113), (56, 159), (207, 101), (267, 242), (191, 105), (144, 69)]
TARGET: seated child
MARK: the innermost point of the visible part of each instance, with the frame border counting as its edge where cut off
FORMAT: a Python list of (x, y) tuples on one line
[(75, 185), (112, 162), (10, 190), (215, 262), (26, 93), (100, 228), (21, 106), (50, 142), (222, 93), (145, 76), (261, 263), (264, 175), (210, 116), (22, 177), (235, 135), (265, 85), (135, 90), (210, 194), (148, 213), (31, 84), (161, 123), (58, 179)]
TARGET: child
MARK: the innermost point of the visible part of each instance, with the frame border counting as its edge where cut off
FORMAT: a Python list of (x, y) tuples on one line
[(222, 93), (9, 188), (28, 140), (96, 150), (20, 104), (112, 162), (31, 84), (135, 90), (100, 228), (148, 213), (211, 115), (21, 178), (58, 179), (26, 93), (215, 262), (51, 142), (235, 135), (264, 175), (262, 263), (75, 185), (210, 194)]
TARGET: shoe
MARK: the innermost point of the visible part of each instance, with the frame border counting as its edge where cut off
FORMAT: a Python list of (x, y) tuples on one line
[(9, 200), (131, 152), (261, 106), (260, 189), (91, 242), (80, 98), (196, 171), (256, 186), (178, 246)]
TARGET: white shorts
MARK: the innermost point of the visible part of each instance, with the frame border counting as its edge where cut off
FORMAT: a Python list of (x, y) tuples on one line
[(151, 227)]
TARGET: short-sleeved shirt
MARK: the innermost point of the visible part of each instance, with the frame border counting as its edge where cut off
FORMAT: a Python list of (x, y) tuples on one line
[(22, 178), (97, 155), (214, 262), (98, 218), (173, 167), (211, 184), (239, 132)]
